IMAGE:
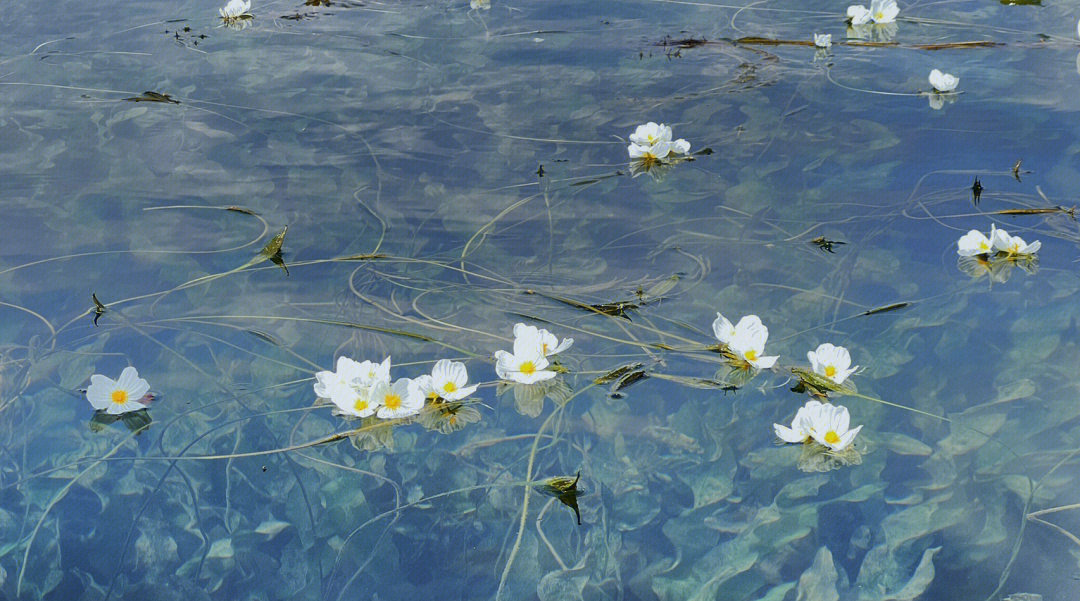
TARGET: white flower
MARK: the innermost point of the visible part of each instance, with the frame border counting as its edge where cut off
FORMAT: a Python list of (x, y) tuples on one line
[(800, 426), (353, 400), (448, 380), (858, 14), (400, 399), (653, 141), (549, 343), (651, 133), (369, 373), (829, 426), (480, 4), (235, 9), (749, 342), (823, 40), (1014, 245), (526, 365), (943, 82), (658, 150), (830, 361), (347, 369), (974, 243), (117, 396), (883, 11)]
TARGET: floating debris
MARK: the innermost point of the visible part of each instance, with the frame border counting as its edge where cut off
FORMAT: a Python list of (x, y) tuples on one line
[(150, 96), (976, 191), (825, 244), (99, 309), (886, 308)]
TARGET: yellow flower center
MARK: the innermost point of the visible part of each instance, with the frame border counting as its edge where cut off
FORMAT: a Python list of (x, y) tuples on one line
[(119, 397), (751, 355), (527, 368), (832, 437), (360, 404), (392, 401), (830, 371), (449, 387)]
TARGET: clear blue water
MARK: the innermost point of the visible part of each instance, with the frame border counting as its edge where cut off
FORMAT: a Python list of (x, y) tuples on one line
[(401, 143)]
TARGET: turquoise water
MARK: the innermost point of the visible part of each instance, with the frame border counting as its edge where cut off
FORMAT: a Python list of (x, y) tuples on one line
[(445, 172)]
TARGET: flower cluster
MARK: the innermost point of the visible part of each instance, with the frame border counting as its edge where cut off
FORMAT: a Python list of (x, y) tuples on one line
[(365, 389), (880, 12), (1000, 242), (823, 423), (528, 363), (652, 142), (996, 255)]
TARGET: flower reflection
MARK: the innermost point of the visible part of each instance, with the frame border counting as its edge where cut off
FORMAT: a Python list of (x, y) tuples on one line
[(529, 398), (873, 32), (939, 100), (448, 416)]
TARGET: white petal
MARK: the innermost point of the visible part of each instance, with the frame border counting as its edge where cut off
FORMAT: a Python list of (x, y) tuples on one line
[(787, 434)]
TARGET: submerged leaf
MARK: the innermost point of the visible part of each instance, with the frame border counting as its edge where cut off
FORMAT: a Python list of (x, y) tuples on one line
[(818, 582)]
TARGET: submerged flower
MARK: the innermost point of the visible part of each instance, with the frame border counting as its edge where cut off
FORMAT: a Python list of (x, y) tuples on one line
[(117, 396), (800, 426), (526, 364), (549, 343), (480, 4), (748, 343), (943, 82), (829, 426), (883, 11), (448, 380), (833, 362), (400, 399), (1013, 245), (974, 243), (823, 40), (858, 14), (236, 9)]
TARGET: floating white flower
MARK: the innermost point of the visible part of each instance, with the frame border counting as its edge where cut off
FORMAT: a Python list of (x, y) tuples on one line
[(823, 40), (526, 365), (448, 380), (943, 82), (883, 11), (369, 372), (651, 133), (480, 4), (830, 361), (236, 9), (974, 243), (549, 343), (347, 369), (400, 399), (748, 343), (829, 426), (653, 141), (858, 14), (723, 330), (800, 426), (353, 400), (1013, 245), (117, 396)]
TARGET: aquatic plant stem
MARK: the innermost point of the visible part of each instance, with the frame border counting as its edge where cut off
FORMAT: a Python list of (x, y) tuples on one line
[(60, 495), (528, 489)]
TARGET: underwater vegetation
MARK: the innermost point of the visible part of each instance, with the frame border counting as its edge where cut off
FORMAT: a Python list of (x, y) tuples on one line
[(336, 299)]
